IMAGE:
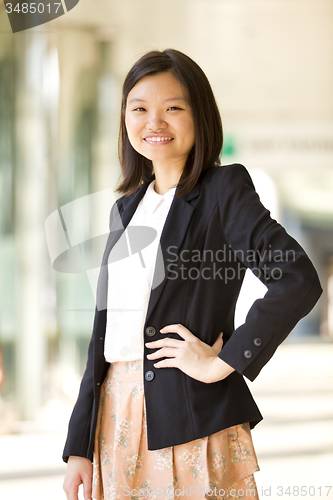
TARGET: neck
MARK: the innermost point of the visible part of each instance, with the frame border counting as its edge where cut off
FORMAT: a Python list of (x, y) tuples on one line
[(166, 178)]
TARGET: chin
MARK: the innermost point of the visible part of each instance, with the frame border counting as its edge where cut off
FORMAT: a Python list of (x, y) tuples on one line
[(156, 157)]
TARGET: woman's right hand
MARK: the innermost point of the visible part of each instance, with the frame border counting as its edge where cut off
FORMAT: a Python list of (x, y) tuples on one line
[(79, 471)]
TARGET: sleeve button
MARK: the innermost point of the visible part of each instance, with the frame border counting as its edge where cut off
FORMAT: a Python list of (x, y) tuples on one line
[(257, 342), (248, 354)]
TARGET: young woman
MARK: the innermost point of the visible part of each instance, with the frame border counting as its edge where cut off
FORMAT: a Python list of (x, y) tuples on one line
[(163, 409)]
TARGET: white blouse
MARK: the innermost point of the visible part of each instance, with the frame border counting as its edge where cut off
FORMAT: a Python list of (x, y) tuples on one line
[(130, 278)]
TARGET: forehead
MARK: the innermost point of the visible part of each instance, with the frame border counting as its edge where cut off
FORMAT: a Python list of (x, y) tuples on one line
[(162, 86)]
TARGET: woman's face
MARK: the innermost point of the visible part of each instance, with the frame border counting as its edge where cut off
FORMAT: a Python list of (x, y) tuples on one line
[(159, 120)]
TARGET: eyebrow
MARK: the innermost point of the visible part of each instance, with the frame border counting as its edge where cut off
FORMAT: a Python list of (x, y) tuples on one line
[(137, 99)]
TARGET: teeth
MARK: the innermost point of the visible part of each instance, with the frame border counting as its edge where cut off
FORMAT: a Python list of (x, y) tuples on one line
[(158, 139)]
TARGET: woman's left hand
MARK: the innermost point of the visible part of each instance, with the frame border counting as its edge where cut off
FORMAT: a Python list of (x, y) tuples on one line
[(192, 356)]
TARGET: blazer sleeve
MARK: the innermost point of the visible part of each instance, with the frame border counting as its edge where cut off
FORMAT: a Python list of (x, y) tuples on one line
[(79, 427), (78, 436), (262, 245)]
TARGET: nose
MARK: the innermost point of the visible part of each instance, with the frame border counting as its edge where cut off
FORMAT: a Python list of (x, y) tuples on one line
[(155, 122)]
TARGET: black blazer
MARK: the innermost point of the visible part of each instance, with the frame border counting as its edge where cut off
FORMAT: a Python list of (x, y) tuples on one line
[(214, 232)]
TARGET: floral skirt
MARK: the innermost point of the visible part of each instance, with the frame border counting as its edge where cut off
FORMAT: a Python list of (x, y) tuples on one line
[(216, 467)]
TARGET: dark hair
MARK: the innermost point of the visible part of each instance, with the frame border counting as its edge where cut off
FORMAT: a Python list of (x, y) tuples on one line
[(205, 153)]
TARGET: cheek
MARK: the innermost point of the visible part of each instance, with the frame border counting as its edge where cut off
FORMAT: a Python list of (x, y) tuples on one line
[(132, 128), (189, 132), (187, 126)]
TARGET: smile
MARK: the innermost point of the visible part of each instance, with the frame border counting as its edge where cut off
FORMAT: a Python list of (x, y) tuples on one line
[(158, 139)]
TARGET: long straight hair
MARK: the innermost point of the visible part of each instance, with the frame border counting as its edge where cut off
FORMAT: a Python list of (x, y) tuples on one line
[(205, 153)]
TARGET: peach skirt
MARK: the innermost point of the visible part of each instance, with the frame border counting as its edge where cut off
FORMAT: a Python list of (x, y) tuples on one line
[(217, 467)]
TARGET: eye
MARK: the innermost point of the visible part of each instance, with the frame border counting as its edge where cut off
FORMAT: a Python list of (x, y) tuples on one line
[(174, 108), (139, 109)]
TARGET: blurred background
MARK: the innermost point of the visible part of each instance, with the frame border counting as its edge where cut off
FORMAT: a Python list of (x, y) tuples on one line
[(270, 64)]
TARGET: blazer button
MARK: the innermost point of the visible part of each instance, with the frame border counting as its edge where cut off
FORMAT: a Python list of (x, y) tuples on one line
[(257, 342), (248, 354), (150, 331), (149, 375)]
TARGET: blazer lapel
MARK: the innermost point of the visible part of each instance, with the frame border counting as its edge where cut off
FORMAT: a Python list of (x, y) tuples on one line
[(173, 234)]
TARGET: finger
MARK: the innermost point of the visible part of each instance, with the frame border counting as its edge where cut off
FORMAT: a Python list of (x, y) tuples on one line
[(167, 363), (87, 487), (180, 329), (72, 492), (167, 342), (164, 352)]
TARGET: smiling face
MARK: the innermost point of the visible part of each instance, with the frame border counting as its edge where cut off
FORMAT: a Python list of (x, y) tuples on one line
[(159, 120)]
